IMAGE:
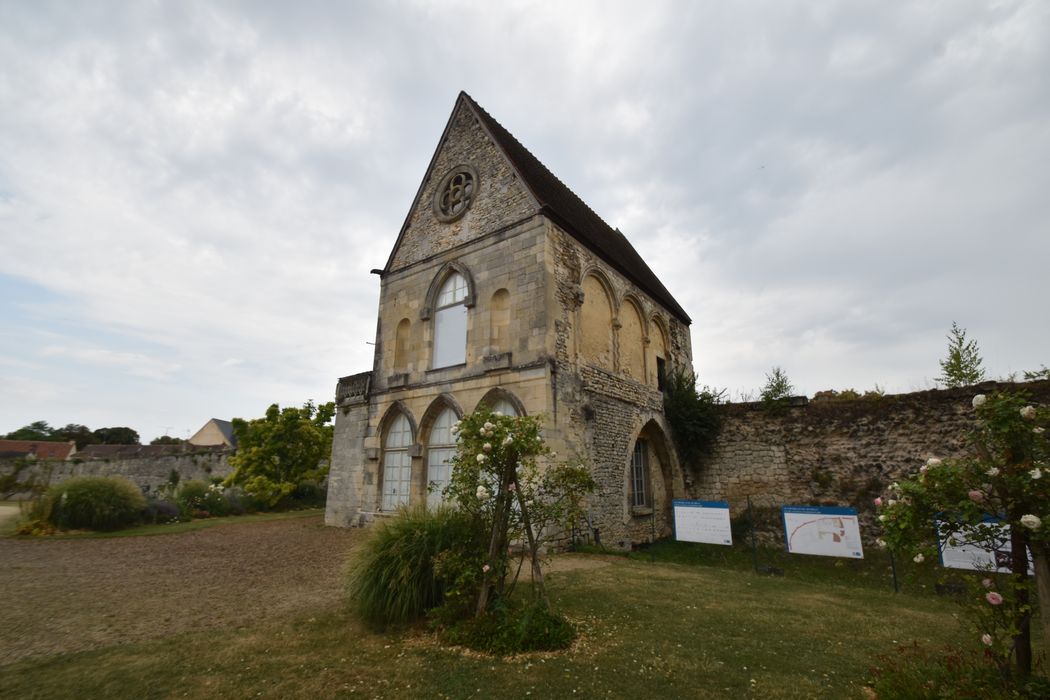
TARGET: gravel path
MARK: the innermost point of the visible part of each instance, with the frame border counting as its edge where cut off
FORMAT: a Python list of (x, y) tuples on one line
[(67, 595)]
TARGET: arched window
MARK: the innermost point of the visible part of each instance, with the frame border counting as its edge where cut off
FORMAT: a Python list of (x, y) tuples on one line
[(661, 367), (441, 447), (596, 323), (401, 344), (450, 323), (640, 490), (502, 405), (397, 463), (632, 345), (499, 321)]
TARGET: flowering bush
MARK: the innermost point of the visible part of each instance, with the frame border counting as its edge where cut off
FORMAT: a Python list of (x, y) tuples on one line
[(998, 488)]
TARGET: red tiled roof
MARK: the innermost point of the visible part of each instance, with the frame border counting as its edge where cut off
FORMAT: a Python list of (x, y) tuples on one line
[(42, 449)]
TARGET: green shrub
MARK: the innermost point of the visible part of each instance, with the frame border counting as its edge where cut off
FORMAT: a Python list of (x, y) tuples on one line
[(310, 493), (393, 578), (693, 414), (200, 497), (511, 629), (95, 503)]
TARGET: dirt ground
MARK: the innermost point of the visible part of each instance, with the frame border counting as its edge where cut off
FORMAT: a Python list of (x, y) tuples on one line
[(68, 595)]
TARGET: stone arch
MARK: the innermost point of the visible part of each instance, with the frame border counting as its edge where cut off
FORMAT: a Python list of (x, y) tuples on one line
[(663, 477), (397, 446), (597, 313), (440, 403), (632, 340), (497, 394), (660, 351), (499, 321), (443, 274), (402, 336)]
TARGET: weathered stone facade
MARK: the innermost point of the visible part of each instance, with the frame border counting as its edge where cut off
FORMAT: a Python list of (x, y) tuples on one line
[(836, 452), (555, 324)]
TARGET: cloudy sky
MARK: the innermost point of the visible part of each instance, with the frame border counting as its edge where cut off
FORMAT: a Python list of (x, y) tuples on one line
[(192, 194)]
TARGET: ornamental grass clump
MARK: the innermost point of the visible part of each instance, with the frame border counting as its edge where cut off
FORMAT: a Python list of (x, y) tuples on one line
[(395, 577), (95, 503)]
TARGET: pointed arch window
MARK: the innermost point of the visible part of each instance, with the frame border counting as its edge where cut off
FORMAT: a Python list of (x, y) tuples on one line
[(450, 323), (397, 463), (441, 447), (502, 405)]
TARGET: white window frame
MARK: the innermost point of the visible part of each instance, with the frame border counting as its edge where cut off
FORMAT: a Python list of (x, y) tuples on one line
[(450, 323), (441, 447), (397, 464)]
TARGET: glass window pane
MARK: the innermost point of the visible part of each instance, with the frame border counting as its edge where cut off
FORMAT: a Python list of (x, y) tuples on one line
[(504, 407), (453, 291), (450, 336)]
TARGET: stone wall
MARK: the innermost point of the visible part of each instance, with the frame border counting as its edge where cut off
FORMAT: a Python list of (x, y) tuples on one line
[(835, 452), (145, 472)]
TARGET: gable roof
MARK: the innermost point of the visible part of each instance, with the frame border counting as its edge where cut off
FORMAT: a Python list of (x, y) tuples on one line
[(224, 427), (566, 209), (42, 449)]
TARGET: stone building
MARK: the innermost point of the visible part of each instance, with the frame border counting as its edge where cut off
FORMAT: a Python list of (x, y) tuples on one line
[(504, 288)]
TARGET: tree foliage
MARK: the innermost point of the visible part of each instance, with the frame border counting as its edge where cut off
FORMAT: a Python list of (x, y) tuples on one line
[(283, 448), (37, 430), (999, 493), (693, 415), (778, 387), (167, 440), (504, 477), (962, 365), (120, 435)]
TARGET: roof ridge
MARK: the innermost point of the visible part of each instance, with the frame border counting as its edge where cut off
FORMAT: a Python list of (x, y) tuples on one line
[(577, 217)]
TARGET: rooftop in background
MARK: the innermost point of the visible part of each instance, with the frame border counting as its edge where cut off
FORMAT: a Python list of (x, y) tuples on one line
[(215, 432), (41, 449)]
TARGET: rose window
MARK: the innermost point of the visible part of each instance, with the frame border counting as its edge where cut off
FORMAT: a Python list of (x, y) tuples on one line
[(456, 193)]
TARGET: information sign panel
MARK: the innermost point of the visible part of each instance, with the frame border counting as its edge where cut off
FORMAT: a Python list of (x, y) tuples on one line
[(959, 550), (702, 521), (822, 530)]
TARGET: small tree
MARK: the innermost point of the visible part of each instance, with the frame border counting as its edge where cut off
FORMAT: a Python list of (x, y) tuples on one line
[(497, 477), (962, 365), (778, 387), (285, 447), (1003, 485)]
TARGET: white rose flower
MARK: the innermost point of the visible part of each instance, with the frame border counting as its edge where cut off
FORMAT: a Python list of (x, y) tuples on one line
[(880, 543), (455, 427), (1036, 473), (482, 493), (489, 426), (507, 440), (497, 413), (1028, 412), (933, 462), (487, 447), (882, 518), (891, 502), (918, 558), (993, 471), (895, 486), (1032, 522), (1038, 431), (979, 400), (481, 459)]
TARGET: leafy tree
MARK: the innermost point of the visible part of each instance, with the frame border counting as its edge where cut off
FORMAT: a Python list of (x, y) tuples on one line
[(778, 387), (81, 434), (117, 436), (278, 451), (498, 480), (962, 365), (166, 440), (1006, 475), (693, 415), (1042, 373), (37, 430)]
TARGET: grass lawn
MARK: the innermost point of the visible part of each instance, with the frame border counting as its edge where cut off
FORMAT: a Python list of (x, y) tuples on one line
[(648, 629)]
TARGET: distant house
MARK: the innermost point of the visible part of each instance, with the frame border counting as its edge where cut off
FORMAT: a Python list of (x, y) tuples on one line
[(37, 449), (215, 432)]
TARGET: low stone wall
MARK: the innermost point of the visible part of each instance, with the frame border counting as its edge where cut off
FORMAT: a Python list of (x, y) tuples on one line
[(146, 472), (835, 452)]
